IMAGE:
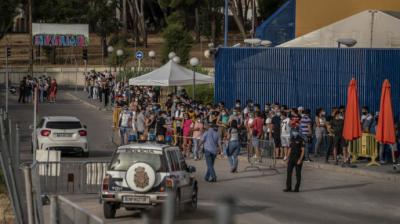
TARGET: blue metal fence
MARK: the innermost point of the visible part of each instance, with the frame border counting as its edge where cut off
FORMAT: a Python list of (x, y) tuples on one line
[(309, 77)]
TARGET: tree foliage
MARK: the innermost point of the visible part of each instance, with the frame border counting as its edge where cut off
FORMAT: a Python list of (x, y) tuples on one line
[(8, 10), (267, 7)]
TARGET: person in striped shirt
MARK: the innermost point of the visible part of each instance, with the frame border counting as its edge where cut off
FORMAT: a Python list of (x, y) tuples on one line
[(306, 132)]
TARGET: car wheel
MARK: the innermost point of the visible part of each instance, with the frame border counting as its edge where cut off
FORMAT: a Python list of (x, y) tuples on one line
[(177, 204), (194, 199), (109, 210)]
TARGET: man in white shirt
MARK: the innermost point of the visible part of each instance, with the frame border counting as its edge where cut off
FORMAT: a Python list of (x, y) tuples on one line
[(285, 134)]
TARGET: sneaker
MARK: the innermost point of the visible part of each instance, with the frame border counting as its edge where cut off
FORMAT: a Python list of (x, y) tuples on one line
[(296, 190), (284, 158), (287, 190), (382, 162), (307, 160)]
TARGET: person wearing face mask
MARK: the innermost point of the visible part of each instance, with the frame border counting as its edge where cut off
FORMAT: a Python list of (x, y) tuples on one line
[(366, 120), (320, 130), (197, 129), (295, 161)]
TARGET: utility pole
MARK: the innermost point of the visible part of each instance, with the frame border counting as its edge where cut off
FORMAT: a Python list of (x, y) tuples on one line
[(30, 41), (8, 54), (226, 23)]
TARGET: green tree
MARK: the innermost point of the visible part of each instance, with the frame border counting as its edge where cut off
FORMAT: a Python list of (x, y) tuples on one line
[(178, 40), (60, 11), (267, 7), (101, 17), (8, 10)]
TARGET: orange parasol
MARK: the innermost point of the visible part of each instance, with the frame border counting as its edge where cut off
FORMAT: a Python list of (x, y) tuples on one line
[(352, 125), (385, 132)]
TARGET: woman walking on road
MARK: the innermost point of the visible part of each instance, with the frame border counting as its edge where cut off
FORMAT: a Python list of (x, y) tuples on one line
[(233, 146), (53, 91)]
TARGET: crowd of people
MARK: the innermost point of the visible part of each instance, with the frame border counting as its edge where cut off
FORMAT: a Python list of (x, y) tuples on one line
[(46, 89), (212, 130)]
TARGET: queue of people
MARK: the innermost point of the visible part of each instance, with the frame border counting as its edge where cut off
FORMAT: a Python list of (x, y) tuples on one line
[(46, 89)]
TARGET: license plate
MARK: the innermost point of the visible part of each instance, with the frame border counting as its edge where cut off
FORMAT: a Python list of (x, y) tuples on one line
[(64, 134), (136, 199)]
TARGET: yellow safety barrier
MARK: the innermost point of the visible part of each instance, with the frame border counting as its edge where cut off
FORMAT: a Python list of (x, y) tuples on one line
[(366, 147), (116, 112)]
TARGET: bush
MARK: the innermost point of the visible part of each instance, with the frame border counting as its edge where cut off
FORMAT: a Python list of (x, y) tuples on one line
[(204, 93)]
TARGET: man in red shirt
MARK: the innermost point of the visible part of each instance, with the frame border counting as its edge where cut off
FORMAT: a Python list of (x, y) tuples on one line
[(257, 130)]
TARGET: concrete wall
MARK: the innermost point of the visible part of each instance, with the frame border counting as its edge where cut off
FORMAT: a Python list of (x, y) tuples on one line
[(65, 76), (314, 14)]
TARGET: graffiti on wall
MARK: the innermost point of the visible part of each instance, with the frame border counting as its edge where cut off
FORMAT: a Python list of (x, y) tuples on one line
[(60, 40)]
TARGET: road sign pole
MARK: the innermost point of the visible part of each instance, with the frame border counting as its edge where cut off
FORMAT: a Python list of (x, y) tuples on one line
[(139, 65), (7, 87)]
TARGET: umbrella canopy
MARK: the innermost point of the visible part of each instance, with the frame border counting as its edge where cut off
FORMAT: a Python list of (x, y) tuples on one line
[(170, 74), (385, 132), (352, 125)]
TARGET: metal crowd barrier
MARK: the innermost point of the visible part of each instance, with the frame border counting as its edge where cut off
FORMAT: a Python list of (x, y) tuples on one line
[(71, 176), (264, 158), (63, 211), (366, 147)]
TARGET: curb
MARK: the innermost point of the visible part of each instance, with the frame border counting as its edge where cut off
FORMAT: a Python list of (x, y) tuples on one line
[(86, 102), (392, 177)]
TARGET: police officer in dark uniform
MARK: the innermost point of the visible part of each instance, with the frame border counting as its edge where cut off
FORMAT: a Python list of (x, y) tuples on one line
[(296, 155)]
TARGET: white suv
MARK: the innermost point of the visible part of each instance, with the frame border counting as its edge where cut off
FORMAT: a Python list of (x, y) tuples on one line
[(63, 133), (141, 175)]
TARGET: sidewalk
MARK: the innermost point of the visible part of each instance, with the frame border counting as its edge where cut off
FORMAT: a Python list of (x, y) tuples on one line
[(383, 172)]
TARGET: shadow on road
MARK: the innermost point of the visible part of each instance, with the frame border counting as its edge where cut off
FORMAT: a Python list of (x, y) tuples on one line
[(336, 187)]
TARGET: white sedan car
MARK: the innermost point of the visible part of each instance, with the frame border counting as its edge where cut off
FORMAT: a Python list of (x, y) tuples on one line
[(63, 133)]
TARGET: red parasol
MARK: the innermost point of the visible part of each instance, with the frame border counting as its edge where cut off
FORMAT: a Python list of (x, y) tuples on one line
[(385, 132), (352, 125)]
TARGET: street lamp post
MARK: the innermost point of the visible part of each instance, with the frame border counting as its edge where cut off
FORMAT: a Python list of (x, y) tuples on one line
[(120, 52), (110, 49), (171, 55), (176, 59), (152, 56), (194, 62)]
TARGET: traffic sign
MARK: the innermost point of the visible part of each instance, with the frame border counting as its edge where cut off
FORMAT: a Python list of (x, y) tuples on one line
[(139, 55)]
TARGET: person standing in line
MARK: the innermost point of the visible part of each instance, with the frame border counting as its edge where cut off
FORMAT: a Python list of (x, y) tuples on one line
[(306, 133), (258, 133), (320, 130), (125, 121), (106, 91), (295, 161), (53, 91), (233, 146), (276, 131), (339, 144), (186, 129), (285, 134), (197, 129), (211, 141), (140, 123), (22, 89)]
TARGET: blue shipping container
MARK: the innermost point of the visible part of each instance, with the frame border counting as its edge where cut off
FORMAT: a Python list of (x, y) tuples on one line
[(309, 77)]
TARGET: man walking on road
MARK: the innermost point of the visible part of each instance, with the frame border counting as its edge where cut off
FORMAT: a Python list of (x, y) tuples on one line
[(211, 141), (296, 155)]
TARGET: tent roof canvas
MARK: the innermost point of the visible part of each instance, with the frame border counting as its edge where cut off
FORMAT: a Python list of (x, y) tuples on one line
[(371, 29), (170, 74)]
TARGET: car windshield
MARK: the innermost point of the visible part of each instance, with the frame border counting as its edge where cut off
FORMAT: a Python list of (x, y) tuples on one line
[(64, 124), (123, 160)]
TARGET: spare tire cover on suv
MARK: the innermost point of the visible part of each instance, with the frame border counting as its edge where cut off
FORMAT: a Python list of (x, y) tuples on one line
[(140, 177)]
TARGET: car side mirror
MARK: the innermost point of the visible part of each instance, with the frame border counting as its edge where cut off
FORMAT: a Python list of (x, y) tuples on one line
[(191, 169)]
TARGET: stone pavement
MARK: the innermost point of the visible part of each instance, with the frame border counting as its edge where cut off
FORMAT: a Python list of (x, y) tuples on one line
[(383, 172)]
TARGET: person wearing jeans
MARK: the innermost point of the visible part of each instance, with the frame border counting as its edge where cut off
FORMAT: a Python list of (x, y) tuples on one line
[(211, 141), (233, 146), (306, 133), (197, 128)]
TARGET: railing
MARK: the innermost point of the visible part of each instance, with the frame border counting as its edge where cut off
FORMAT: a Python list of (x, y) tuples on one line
[(63, 211)]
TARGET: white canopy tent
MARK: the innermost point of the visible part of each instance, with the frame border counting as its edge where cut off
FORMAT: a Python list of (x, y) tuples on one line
[(170, 74), (371, 29)]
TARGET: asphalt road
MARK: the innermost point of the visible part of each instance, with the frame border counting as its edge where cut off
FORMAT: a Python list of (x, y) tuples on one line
[(325, 197)]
